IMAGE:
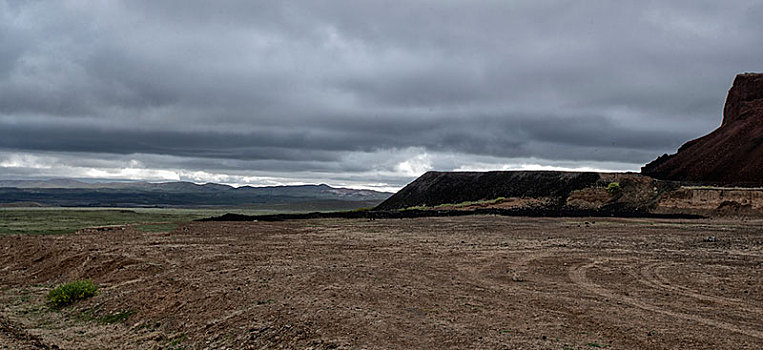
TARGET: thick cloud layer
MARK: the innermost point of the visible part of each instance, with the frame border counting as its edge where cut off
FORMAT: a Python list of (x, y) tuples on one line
[(359, 93)]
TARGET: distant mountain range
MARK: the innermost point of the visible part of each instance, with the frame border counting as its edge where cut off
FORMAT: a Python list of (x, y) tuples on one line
[(73, 193)]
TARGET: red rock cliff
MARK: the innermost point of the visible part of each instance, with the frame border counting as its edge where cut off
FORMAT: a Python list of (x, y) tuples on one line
[(733, 153)]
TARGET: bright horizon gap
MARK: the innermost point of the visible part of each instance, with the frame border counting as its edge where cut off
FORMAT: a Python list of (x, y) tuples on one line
[(271, 182)]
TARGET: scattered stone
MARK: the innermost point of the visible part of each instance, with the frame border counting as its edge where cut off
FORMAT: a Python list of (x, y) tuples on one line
[(710, 239), (517, 278)]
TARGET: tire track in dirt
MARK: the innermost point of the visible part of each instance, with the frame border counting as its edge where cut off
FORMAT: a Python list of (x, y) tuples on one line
[(651, 276), (514, 269), (13, 331), (578, 276)]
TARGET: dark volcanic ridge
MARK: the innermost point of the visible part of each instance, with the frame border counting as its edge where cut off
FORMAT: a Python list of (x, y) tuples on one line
[(733, 153), (435, 188)]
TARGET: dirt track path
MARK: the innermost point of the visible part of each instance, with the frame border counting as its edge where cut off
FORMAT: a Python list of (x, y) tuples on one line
[(458, 283), (578, 276), (14, 337)]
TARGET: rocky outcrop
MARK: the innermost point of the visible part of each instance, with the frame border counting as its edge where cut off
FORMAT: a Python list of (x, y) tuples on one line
[(733, 153)]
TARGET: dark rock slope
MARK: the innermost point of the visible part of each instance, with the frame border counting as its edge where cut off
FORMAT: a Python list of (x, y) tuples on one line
[(733, 153), (435, 188)]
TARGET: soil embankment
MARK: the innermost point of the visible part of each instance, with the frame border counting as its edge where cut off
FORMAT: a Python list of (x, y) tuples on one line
[(712, 201)]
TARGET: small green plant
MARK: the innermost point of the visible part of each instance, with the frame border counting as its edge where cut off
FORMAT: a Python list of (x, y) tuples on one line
[(594, 345), (614, 188), (71, 292)]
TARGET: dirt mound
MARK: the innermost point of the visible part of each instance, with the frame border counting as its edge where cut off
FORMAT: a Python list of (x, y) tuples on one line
[(434, 188), (733, 153)]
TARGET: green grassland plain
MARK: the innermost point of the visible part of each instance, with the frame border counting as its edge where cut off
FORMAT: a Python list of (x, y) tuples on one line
[(69, 220)]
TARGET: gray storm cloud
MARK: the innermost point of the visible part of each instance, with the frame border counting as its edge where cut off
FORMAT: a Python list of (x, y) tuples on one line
[(360, 92)]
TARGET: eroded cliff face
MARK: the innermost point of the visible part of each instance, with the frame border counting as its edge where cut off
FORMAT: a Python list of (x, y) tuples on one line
[(733, 153), (712, 198), (745, 98)]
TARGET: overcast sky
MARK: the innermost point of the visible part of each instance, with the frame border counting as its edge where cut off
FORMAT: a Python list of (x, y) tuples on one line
[(360, 93)]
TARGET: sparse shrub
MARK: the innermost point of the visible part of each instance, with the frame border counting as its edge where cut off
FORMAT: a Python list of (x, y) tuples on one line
[(71, 292), (614, 188)]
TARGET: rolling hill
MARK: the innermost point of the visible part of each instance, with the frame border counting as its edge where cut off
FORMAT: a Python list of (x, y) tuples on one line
[(73, 193)]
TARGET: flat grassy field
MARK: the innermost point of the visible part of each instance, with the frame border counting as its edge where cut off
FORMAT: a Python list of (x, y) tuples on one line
[(41, 221)]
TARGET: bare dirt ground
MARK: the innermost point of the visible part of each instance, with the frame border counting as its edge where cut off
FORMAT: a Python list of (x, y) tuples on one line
[(477, 282)]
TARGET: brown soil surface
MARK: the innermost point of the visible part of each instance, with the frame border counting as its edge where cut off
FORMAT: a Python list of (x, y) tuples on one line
[(478, 282)]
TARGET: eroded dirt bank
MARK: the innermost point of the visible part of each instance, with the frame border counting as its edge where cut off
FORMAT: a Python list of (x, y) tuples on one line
[(459, 282)]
